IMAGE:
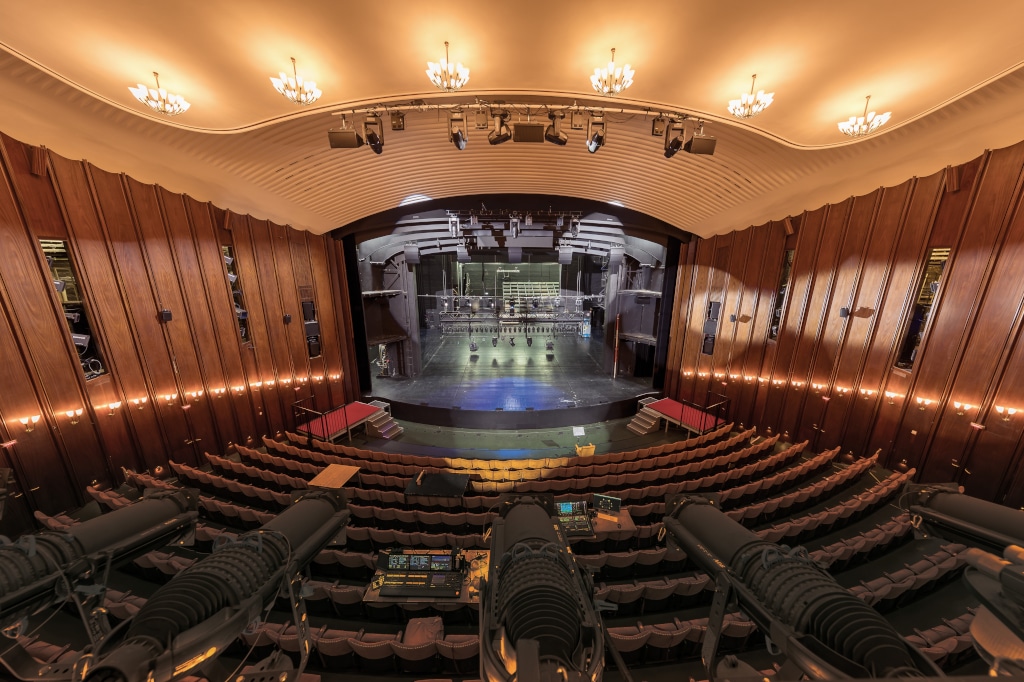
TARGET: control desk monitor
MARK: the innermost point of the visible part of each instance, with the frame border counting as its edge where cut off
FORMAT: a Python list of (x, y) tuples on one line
[(574, 518), (606, 504)]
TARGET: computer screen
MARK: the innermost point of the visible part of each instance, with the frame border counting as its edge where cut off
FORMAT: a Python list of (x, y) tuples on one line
[(572, 508), (398, 562), (607, 503), (419, 562), (441, 563)]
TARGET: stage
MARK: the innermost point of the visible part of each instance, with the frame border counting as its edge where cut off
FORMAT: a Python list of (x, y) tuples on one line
[(511, 387)]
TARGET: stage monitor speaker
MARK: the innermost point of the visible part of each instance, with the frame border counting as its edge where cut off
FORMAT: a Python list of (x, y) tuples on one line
[(412, 254), (714, 310), (312, 328), (564, 255), (308, 311), (710, 327), (515, 254), (615, 254), (528, 132), (313, 343), (344, 139), (700, 144), (708, 346)]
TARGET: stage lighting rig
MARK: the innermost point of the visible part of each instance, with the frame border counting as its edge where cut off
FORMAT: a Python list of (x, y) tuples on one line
[(373, 133), (457, 129), (675, 133), (823, 630), (49, 568), (553, 133), (595, 133), (501, 132), (191, 620), (512, 341), (513, 225), (453, 225), (537, 617), (574, 227), (473, 347), (494, 341)]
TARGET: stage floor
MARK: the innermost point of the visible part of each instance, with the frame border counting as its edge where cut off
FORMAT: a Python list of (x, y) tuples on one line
[(510, 378)]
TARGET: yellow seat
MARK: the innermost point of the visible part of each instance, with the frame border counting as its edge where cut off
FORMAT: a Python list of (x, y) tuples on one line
[(585, 450)]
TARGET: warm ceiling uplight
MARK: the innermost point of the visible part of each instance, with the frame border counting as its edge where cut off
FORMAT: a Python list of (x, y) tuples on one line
[(611, 80), (752, 104), (295, 89), (865, 124), (446, 76), (160, 100)]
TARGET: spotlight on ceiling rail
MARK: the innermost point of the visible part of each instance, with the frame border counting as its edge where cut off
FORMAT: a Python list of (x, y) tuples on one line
[(457, 130), (494, 341), (553, 133), (595, 133), (574, 227), (501, 132), (674, 134), (373, 133)]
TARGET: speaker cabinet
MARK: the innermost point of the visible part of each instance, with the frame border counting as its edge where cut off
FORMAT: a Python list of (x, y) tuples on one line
[(308, 311), (714, 310), (313, 343), (312, 328), (710, 327), (707, 347)]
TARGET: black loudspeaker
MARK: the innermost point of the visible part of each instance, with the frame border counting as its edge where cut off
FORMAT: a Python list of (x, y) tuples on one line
[(714, 310), (165, 315), (708, 345), (287, 318), (710, 327), (312, 328), (308, 311), (412, 254), (700, 144), (313, 342)]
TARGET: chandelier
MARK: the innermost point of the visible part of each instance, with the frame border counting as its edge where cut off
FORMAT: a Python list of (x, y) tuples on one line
[(612, 80), (750, 105), (869, 122), (295, 89), (160, 100), (446, 76)]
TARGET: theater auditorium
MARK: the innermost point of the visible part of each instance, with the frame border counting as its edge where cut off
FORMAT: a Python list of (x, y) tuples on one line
[(586, 341)]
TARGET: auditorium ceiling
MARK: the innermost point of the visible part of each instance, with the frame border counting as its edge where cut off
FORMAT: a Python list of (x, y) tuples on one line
[(950, 73)]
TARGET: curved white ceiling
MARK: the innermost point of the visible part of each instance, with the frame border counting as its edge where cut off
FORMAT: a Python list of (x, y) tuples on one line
[(948, 72)]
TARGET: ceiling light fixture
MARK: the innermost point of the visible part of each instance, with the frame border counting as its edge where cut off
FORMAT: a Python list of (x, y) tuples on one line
[(446, 76), (295, 89), (457, 130), (501, 132), (160, 100), (595, 133), (867, 123), (553, 132), (752, 104), (612, 80), (674, 134), (373, 133)]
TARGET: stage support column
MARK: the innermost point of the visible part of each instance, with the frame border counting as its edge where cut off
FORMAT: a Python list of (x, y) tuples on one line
[(611, 307), (410, 315)]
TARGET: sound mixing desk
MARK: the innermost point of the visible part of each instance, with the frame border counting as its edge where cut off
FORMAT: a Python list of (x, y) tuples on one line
[(412, 575)]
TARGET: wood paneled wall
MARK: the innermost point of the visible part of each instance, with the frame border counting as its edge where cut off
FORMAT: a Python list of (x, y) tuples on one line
[(867, 254), (138, 249)]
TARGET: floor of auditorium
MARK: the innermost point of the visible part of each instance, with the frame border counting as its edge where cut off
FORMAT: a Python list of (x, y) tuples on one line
[(946, 600)]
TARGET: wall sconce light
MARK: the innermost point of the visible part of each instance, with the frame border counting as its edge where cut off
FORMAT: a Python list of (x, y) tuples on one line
[(1007, 412), (734, 376), (238, 389), (796, 384), (842, 390), (318, 378), (867, 393), (285, 381), (303, 380), (30, 422), (687, 373), (890, 395), (113, 407), (962, 407), (139, 402), (923, 403), (268, 383), (255, 385), (779, 382), (219, 392), (748, 378), (702, 374), (74, 415), (335, 377), (196, 394), (170, 397), (818, 387)]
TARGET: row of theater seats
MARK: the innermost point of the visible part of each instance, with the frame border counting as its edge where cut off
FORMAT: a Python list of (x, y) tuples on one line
[(257, 475), (499, 470), (949, 644), (895, 589), (232, 489), (422, 461)]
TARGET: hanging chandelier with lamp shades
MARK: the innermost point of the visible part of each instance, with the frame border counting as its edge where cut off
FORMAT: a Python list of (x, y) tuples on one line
[(611, 80), (446, 76), (752, 104), (865, 124), (160, 100), (295, 89)]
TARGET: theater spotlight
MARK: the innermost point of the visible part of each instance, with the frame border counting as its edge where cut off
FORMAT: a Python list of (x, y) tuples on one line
[(453, 225), (373, 133), (553, 132), (501, 132), (473, 347), (674, 134), (549, 345), (494, 341), (574, 227), (529, 341), (513, 226), (595, 133), (457, 130)]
